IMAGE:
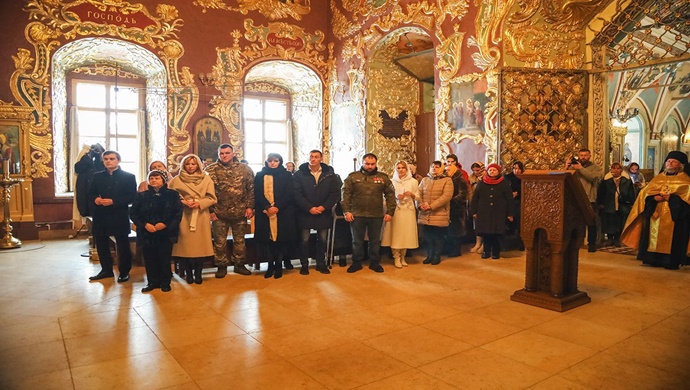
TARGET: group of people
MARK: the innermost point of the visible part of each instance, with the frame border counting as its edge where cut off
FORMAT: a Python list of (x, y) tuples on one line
[(652, 217), (188, 217)]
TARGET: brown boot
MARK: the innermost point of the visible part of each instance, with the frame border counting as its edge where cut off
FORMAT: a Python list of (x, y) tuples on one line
[(222, 271)]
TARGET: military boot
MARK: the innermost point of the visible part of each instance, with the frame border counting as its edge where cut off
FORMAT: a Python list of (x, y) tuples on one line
[(222, 271), (241, 269)]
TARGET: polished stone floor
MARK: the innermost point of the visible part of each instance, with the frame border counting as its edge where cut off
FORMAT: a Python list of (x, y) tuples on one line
[(450, 326)]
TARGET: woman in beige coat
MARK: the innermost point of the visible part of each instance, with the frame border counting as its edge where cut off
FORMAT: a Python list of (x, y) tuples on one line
[(197, 194), (400, 233), (435, 193)]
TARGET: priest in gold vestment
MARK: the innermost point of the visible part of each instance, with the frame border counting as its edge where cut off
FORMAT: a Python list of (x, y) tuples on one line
[(659, 222)]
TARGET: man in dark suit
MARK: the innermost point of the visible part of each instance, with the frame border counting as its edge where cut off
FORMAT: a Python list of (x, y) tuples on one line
[(112, 191)]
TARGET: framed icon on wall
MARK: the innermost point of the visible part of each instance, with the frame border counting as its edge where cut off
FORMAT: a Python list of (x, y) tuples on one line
[(207, 137)]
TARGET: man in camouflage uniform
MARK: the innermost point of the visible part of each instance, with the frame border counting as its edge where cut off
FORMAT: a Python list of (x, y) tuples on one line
[(364, 192), (234, 183)]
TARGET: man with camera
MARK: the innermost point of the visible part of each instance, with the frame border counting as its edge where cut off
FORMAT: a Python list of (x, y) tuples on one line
[(589, 175)]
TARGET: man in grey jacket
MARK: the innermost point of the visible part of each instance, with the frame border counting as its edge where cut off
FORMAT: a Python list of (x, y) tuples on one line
[(589, 174), (363, 194)]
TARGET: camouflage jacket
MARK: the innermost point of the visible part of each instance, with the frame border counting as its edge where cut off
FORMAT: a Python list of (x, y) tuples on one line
[(368, 194), (234, 185)]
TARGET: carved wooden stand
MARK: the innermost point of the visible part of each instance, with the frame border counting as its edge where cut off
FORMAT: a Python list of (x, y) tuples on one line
[(555, 213)]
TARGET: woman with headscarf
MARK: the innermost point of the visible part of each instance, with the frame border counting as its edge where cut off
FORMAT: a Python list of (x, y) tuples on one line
[(492, 208), (400, 234), (435, 193), (154, 166), (275, 212), (478, 172), (197, 194)]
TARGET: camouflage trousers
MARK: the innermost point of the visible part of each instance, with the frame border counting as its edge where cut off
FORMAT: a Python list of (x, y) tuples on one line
[(219, 229)]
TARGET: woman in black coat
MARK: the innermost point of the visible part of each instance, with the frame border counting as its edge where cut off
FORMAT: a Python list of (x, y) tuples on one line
[(275, 212), (156, 213), (492, 207)]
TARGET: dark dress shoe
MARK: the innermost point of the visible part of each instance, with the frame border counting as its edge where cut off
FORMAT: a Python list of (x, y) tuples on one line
[(166, 288), (342, 261), (101, 275), (123, 278), (148, 288), (376, 268), (288, 264), (485, 255)]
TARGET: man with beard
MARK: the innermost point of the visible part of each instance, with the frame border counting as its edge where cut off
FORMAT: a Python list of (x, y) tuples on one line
[(589, 174), (659, 223), (363, 194)]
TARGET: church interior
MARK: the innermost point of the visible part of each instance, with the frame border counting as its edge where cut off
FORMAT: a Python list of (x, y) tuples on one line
[(415, 80)]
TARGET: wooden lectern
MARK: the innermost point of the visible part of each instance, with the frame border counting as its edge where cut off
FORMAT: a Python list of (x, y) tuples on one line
[(555, 214)]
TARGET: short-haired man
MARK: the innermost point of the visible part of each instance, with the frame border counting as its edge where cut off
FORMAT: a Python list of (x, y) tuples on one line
[(234, 184), (112, 191), (589, 174), (615, 197), (317, 190), (363, 194)]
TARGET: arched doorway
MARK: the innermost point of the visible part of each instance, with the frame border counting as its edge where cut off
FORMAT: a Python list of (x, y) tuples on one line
[(400, 62), (108, 55)]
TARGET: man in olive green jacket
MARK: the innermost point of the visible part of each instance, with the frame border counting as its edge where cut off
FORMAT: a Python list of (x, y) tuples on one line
[(364, 192)]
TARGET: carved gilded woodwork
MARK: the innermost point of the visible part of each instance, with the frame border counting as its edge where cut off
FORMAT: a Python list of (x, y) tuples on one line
[(392, 90), (489, 23), (114, 18), (59, 22), (272, 9), (600, 113), (449, 54), (543, 116), (104, 70), (550, 34), (285, 41), (264, 87)]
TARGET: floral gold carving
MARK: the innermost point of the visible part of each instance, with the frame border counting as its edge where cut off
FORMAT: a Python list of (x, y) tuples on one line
[(449, 54), (263, 87), (311, 52), (272, 9)]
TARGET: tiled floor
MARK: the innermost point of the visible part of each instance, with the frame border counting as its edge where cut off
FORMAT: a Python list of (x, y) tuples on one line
[(422, 327)]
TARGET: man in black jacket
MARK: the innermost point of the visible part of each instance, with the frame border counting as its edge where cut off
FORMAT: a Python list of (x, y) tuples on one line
[(112, 191), (317, 190)]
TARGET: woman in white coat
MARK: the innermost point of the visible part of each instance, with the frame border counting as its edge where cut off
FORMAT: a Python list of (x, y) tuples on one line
[(197, 194), (401, 232)]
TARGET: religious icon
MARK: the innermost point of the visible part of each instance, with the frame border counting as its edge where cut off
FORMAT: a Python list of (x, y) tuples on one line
[(208, 132), (467, 108)]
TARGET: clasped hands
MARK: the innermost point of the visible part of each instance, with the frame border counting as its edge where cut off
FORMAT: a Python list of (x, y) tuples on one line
[(151, 228)]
